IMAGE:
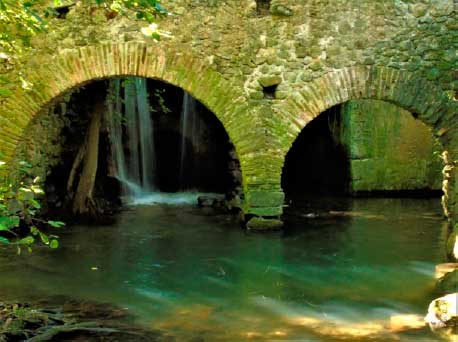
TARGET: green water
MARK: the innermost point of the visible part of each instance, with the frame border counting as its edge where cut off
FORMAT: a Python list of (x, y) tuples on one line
[(197, 276)]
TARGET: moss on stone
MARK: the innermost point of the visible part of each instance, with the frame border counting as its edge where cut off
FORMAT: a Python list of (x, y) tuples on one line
[(388, 148), (262, 224)]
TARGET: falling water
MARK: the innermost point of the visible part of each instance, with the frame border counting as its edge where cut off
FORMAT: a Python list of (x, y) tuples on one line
[(135, 166), (146, 135), (189, 131), (130, 112)]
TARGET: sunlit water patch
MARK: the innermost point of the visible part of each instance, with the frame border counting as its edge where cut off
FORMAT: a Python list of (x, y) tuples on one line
[(362, 271)]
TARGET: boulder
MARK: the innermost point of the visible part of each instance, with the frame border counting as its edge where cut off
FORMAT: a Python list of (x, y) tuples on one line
[(442, 312), (443, 269)]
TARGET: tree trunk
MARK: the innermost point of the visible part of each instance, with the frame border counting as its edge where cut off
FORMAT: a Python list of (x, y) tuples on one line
[(76, 165), (83, 203)]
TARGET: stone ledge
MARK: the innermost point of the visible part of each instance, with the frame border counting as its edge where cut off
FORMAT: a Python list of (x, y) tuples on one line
[(263, 224), (263, 211)]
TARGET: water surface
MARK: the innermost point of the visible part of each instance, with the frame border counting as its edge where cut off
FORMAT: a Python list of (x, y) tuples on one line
[(337, 273)]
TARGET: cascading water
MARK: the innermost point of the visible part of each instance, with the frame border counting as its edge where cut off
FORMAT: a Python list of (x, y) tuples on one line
[(134, 166), (189, 130), (132, 142), (146, 135)]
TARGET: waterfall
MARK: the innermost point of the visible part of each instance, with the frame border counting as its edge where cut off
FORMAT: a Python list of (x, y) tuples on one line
[(146, 134), (134, 165), (189, 130)]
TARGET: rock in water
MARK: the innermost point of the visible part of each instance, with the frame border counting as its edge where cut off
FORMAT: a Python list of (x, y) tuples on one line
[(442, 312), (443, 269), (211, 201)]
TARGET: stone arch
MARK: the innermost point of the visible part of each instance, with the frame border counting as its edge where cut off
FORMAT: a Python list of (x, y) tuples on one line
[(404, 89), (77, 67)]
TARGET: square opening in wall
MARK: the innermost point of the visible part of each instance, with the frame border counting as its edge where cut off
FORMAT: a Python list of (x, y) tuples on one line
[(269, 92), (263, 7)]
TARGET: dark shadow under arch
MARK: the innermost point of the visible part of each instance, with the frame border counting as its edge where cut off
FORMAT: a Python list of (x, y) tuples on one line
[(207, 166), (317, 164), (321, 159)]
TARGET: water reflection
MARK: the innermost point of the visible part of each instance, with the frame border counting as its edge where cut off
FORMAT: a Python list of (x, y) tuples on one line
[(342, 273)]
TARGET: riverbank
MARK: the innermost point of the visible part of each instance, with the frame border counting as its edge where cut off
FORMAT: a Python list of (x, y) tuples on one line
[(72, 321)]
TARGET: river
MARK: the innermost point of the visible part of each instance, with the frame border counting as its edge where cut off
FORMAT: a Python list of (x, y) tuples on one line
[(340, 272)]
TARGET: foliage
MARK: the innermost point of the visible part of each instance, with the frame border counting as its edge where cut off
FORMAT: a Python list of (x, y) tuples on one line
[(161, 101), (20, 20), (19, 207), (147, 10)]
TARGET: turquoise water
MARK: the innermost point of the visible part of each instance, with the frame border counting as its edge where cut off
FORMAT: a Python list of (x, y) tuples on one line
[(340, 272)]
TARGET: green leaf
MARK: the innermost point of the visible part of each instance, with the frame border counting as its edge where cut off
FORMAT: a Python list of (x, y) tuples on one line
[(5, 92), (54, 244), (35, 204), (56, 224), (4, 240), (27, 240), (25, 164), (44, 238), (9, 221)]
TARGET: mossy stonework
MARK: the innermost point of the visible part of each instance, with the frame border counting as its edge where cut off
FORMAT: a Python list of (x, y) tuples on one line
[(388, 149), (264, 75)]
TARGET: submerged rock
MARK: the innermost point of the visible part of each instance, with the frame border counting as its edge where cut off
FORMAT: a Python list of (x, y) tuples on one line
[(443, 313)]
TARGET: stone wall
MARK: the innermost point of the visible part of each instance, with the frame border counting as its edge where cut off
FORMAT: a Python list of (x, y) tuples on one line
[(388, 149), (264, 74)]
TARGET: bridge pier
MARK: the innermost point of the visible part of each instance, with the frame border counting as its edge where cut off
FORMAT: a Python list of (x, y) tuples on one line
[(263, 195), (262, 209)]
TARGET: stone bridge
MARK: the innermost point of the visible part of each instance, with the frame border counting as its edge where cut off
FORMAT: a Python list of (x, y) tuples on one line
[(265, 72)]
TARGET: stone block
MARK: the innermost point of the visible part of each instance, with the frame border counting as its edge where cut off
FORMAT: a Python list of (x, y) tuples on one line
[(269, 80), (265, 198), (262, 224), (264, 212)]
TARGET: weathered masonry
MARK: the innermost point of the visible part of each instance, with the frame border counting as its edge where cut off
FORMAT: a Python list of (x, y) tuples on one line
[(265, 69)]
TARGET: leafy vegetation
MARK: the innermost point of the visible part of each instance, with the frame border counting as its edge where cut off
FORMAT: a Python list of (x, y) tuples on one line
[(19, 209), (147, 10), (20, 20)]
